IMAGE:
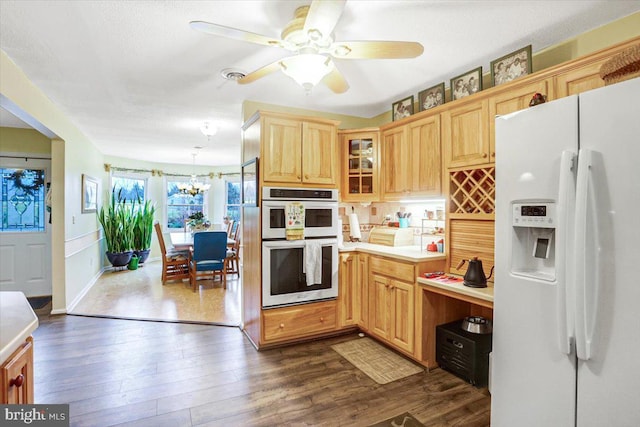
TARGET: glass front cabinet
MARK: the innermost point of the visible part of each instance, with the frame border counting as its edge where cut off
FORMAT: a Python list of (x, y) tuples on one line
[(360, 177)]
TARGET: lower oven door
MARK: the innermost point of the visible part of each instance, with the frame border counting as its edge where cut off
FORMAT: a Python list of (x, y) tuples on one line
[(284, 271)]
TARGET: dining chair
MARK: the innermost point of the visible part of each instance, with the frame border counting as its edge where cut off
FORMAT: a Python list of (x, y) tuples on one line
[(230, 228), (175, 264), (233, 257), (208, 256)]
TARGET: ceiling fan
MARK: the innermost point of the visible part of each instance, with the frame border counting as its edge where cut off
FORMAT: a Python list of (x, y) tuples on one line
[(310, 36)]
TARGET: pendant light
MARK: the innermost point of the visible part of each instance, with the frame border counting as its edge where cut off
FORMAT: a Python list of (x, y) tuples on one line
[(193, 187)]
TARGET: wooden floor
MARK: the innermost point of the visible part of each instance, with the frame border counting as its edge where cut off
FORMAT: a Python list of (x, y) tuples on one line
[(140, 294), (141, 373)]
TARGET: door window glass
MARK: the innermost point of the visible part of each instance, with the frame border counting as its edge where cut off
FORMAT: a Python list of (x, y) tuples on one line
[(23, 205)]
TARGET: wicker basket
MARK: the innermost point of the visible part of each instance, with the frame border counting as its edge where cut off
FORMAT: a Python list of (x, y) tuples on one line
[(621, 67)]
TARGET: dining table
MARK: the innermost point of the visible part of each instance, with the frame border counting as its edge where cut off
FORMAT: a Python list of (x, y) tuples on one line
[(184, 240)]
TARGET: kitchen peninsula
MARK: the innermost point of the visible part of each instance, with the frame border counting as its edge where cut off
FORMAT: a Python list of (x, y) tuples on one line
[(17, 323)]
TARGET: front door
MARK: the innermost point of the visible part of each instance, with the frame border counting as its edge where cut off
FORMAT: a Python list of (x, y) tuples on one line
[(25, 232)]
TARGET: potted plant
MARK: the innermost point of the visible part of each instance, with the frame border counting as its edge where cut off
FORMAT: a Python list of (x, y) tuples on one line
[(117, 220), (197, 221), (143, 230)]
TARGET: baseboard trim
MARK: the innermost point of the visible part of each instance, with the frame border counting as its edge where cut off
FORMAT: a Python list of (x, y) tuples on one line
[(82, 293)]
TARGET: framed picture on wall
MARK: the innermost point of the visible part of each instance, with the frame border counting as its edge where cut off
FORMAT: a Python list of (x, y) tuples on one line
[(402, 108), (89, 194), (466, 84), (431, 97), (511, 66), (250, 182)]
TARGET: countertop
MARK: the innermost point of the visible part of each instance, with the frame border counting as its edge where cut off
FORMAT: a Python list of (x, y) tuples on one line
[(17, 322), (405, 253), (456, 286)]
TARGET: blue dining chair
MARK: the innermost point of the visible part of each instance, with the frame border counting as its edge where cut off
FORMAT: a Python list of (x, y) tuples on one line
[(208, 256)]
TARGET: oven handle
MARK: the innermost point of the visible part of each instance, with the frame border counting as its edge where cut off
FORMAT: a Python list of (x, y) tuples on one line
[(276, 244)]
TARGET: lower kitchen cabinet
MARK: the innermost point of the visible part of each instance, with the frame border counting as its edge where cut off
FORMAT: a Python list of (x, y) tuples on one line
[(347, 289), (16, 376), (299, 321), (392, 302)]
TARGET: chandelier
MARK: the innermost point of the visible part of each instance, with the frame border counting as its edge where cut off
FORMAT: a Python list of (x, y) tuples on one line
[(193, 187)]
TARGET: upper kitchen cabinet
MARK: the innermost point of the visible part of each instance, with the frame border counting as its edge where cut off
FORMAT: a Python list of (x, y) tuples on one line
[(514, 99), (426, 157), (395, 164), (360, 178), (411, 159), (465, 134), (298, 150)]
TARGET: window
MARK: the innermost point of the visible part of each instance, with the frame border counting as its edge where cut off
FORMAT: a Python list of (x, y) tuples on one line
[(180, 206), (22, 192), (129, 187), (232, 199)]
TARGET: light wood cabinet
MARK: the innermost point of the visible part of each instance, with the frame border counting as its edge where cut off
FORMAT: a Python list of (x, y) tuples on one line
[(298, 151), (362, 291), (578, 80), (300, 321), (412, 160), (514, 99), (392, 303), (347, 289), (426, 157), (395, 164), (360, 177), (465, 134), (16, 376)]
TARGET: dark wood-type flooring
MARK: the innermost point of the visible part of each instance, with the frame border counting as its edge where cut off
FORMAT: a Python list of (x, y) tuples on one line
[(138, 373)]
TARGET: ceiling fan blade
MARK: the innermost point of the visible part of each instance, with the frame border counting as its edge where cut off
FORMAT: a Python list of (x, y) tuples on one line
[(236, 34), (323, 16), (376, 50), (336, 81), (261, 72)]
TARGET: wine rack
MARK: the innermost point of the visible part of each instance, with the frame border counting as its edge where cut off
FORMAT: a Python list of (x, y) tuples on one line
[(473, 191)]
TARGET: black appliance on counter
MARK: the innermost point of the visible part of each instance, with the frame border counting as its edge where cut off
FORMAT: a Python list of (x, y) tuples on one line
[(464, 354)]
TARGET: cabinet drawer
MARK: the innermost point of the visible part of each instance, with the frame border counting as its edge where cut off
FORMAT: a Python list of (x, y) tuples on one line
[(394, 269), (299, 321)]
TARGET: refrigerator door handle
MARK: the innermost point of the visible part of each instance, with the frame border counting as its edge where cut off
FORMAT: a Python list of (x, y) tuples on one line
[(566, 199), (586, 244)]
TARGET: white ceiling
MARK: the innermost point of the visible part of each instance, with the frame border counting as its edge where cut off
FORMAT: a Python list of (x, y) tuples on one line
[(139, 82)]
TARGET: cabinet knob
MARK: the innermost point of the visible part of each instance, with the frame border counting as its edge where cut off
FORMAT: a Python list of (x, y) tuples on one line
[(17, 381), (281, 325), (306, 177), (493, 154), (322, 319), (484, 155)]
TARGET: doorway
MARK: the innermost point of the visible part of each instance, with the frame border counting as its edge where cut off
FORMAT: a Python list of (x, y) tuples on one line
[(25, 229)]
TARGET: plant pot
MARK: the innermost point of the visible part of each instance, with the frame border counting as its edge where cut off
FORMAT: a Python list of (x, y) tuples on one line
[(119, 259), (142, 255)]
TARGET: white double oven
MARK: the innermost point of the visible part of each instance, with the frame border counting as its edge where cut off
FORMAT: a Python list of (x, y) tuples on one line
[(284, 280)]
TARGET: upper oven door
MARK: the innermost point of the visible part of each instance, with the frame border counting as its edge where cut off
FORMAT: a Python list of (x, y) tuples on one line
[(320, 219)]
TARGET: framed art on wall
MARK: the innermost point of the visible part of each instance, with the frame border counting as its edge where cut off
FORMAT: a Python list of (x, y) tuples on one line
[(431, 97), (89, 194), (511, 66), (402, 108), (466, 84)]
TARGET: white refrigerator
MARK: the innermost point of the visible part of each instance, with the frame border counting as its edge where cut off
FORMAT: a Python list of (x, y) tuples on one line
[(566, 335)]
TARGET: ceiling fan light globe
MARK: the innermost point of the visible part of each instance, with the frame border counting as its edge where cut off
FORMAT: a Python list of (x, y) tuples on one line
[(307, 69)]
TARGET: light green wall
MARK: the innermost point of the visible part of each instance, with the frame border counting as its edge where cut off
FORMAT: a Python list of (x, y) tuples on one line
[(16, 140)]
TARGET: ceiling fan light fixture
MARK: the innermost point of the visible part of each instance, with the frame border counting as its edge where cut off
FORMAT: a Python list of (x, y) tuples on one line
[(307, 69)]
